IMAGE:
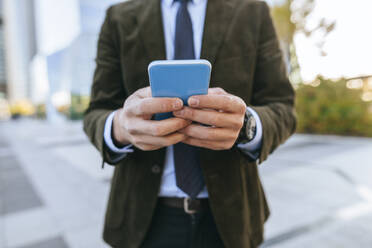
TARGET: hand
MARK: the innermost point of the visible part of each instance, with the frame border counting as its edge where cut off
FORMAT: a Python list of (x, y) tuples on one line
[(133, 125), (223, 112)]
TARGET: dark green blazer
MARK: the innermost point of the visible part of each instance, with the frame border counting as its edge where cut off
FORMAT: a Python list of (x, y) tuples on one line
[(240, 42)]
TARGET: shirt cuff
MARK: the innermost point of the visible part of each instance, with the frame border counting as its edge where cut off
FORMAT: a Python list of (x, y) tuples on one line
[(254, 145), (107, 135)]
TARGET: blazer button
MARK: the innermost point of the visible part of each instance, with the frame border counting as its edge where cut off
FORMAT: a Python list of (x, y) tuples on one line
[(155, 169)]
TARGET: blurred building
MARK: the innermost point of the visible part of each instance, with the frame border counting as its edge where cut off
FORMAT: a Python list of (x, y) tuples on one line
[(37, 69), (19, 45), (2, 55)]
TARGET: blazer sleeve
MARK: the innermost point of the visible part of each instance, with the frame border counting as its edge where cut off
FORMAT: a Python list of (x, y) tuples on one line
[(273, 96), (107, 92)]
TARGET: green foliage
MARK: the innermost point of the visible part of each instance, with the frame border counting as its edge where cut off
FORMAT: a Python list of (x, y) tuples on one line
[(290, 18), (332, 108), (78, 106), (40, 111)]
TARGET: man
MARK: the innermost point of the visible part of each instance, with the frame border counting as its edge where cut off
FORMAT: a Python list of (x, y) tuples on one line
[(191, 180)]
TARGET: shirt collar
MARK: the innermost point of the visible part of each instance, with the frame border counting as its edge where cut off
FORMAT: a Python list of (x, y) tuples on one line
[(169, 3)]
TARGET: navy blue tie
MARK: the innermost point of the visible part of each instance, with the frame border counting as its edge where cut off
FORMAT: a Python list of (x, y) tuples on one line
[(189, 177)]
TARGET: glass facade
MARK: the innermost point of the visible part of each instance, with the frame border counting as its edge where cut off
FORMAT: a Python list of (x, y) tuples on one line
[(2, 55), (72, 68), (69, 70)]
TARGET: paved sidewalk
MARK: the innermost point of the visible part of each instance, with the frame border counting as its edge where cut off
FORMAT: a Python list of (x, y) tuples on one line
[(320, 192), (53, 193)]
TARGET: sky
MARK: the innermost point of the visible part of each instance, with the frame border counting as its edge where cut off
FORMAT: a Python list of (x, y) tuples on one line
[(348, 47)]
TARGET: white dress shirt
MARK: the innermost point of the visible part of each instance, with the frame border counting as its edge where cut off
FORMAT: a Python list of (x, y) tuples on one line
[(197, 10)]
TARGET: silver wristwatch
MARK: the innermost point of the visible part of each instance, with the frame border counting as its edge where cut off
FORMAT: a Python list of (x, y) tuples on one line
[(250, 126)]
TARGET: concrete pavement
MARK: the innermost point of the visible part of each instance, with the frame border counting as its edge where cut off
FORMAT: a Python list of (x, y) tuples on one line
[(69, 190), (320, 192), (53, 192)]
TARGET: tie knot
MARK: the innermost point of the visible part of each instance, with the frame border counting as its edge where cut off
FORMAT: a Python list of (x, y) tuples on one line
[(182, 1)]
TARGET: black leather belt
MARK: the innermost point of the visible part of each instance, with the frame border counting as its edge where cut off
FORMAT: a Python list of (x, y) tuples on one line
[(191, 206)]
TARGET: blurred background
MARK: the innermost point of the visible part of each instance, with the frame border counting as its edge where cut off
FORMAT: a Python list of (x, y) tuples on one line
[(53, 192)]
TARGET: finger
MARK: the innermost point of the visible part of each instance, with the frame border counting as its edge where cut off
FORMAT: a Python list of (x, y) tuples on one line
[(228, 103), (213, 145), (208, 133), (158, 128), (217, 91), (150, 106), (210, 117), (143, 93), (156, 141), (147, 147)]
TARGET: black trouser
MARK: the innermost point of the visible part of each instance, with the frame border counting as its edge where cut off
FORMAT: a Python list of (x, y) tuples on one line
[(173, 228)]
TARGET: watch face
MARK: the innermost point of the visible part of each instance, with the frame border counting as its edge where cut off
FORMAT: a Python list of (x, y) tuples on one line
[(250, 128)]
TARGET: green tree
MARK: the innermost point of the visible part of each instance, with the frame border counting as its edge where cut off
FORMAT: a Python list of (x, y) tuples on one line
[(329, 107), (290, 17)]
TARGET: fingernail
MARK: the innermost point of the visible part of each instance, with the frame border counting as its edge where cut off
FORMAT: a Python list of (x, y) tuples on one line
[(194, 101), (177, 104)]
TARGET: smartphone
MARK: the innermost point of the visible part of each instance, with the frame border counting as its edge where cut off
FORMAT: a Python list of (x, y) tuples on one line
[(179, 78)]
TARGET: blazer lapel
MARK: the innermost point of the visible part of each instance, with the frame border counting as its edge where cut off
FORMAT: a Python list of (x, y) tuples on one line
[(217, 19), (151, 29)]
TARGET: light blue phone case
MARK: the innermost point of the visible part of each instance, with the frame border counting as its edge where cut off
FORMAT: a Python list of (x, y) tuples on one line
[(179, 78)]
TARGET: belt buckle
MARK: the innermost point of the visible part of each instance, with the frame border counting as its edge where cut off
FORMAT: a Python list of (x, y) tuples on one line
[(186, 202)]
